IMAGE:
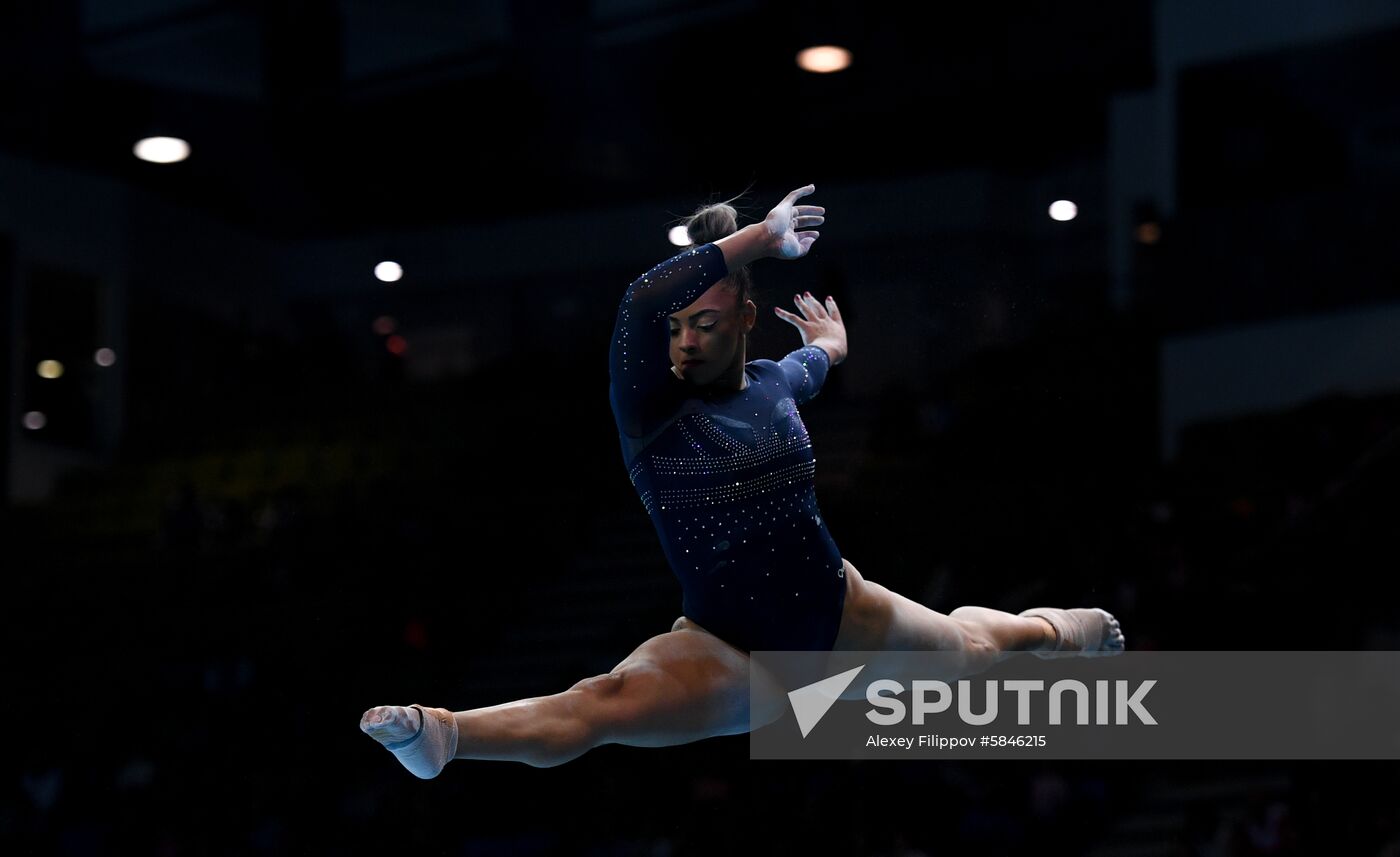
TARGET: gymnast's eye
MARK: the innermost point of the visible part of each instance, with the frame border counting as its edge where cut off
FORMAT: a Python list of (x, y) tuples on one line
[(705, 327)]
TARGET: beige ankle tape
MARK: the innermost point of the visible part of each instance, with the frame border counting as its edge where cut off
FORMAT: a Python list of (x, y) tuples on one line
[(428, 752)]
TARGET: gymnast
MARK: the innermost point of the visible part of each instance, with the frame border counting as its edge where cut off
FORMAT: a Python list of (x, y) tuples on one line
[(722, 462)]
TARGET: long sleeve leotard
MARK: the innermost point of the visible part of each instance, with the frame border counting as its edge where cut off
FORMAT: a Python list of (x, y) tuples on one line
[(726, 475)]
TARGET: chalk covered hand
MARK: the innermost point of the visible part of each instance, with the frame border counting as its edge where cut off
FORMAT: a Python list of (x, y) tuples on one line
[(819, 323), (788, 227)]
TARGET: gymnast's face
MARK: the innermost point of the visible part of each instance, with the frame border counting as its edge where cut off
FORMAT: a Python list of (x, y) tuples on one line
[(707, 337)]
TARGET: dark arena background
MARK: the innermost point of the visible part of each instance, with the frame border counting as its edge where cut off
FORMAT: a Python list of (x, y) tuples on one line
[(1123, 298)]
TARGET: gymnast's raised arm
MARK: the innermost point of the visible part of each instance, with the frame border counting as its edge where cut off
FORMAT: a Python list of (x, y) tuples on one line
[(638, 362)]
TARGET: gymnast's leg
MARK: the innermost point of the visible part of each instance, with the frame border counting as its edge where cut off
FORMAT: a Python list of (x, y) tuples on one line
[(675, 688), (876, 618)]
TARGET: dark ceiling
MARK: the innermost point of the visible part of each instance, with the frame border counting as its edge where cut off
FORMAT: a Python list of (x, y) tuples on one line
[(324, 117)]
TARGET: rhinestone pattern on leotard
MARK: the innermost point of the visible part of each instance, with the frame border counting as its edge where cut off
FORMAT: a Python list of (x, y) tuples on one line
[(727, 476)]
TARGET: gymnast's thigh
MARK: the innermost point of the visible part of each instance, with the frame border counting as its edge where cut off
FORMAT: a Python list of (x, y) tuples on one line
[(877, 620), (681, 686)]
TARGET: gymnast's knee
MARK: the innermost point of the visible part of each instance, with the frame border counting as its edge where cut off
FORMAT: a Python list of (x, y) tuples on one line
[(605, 685), (978, 647), (580, 725), (596, 703)]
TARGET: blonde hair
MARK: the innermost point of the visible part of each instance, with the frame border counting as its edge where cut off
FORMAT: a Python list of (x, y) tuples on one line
[(715, 221)]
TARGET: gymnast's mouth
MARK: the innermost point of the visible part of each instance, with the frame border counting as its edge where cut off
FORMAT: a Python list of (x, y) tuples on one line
[(691, 362)]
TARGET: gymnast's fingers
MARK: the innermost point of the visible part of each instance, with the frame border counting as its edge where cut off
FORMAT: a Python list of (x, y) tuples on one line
[(832, 308), (795, 195), (788, 317)]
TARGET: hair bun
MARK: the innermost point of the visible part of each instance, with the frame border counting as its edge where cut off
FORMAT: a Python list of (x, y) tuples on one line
[(711, 223)]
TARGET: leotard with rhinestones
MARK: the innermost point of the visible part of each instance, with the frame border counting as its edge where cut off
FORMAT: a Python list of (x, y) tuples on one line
[(726, 475)]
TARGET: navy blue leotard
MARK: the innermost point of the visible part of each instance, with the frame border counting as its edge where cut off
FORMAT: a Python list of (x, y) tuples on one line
[(726, 475)]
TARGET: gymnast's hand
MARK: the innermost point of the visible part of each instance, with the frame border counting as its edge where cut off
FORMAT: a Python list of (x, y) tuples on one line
[(784, 224), (820, 324)]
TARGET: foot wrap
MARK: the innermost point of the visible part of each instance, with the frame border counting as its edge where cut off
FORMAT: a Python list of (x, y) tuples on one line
[(1084, 631), (429, 750)]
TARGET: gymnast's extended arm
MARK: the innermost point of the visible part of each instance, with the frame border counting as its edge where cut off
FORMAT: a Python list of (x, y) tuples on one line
[(638, 355)]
